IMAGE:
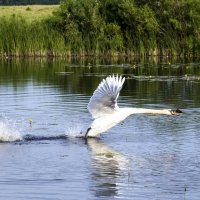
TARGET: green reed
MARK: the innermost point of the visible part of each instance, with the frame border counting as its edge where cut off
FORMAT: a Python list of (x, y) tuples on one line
[(21, 38), (106, 28)]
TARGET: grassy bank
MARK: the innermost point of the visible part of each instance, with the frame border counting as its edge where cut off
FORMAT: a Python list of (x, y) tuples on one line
[(30, 13), (24, 32), (18, 37), (102, 28)]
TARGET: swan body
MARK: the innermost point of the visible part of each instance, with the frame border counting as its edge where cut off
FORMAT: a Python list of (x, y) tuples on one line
[(105, 111)]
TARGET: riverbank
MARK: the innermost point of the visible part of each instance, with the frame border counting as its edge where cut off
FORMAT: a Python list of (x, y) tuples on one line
[(101, 29), (28, 12)]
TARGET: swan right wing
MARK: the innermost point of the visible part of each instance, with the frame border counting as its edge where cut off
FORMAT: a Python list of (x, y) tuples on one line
[(104, 98)]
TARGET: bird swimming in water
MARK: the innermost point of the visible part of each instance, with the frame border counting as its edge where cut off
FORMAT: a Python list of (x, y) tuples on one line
[(105, 111)]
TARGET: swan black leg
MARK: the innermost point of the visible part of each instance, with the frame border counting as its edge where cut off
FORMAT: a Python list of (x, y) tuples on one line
[(86, 135)]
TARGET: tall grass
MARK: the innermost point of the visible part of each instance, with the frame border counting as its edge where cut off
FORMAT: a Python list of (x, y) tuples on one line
[(21, 38), (106, 28)]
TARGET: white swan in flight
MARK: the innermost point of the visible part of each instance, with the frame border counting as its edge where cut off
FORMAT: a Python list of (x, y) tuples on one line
[(105, 111)]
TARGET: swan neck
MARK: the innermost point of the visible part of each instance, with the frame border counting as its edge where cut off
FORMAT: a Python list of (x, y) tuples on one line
[(131, 111)]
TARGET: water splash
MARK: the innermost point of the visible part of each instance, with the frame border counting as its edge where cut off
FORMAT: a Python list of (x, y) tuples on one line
[(75, 130), (8, 131)]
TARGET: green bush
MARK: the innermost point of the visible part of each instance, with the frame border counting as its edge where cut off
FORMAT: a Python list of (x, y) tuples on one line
[(107, 27)]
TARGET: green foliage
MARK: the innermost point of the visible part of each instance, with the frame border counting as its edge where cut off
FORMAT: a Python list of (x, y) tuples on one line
[(28, 8), (138, 27), (18, 37), (108, 27), (178, 23)]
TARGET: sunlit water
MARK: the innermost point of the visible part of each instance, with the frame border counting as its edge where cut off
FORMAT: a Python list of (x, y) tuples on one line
[(43, 109)]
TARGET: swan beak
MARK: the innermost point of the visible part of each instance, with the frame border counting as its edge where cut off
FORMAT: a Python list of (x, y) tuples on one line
[(173, 112), (176, 112)]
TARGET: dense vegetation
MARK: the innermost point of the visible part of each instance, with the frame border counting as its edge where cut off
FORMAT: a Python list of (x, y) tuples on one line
[(21, 38), (108, 27)]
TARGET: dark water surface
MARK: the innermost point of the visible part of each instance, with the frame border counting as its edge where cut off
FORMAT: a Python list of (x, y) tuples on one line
[(145, 157)]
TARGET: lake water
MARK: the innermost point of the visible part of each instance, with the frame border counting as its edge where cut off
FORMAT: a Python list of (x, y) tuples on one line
[(43, 107)]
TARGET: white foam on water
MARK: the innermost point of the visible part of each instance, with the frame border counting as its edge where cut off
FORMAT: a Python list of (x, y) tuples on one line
[(8, 131), (75, 130)]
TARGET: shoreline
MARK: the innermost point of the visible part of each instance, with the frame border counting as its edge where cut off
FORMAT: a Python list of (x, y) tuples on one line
[(38, 31), (93, 55), (101, 59)]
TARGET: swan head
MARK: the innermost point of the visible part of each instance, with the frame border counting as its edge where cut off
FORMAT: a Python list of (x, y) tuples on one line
[(176, 112)]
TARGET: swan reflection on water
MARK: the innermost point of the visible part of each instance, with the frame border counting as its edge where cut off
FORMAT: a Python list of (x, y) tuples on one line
[(109, 167)]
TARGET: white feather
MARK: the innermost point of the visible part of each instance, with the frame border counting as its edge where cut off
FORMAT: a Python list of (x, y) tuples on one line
[(104, 98), (104, 109)]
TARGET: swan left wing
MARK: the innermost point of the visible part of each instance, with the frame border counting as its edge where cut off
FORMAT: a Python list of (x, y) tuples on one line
[(104, 98)]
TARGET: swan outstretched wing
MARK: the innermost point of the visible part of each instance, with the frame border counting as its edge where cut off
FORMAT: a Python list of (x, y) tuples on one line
[(104, 98)]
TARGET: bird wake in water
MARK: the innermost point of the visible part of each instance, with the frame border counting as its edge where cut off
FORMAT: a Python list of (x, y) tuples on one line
[(10, 133)]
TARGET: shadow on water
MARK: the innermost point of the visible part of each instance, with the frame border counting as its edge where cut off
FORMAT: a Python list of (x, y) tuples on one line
[(108, 168), (40, 138)]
